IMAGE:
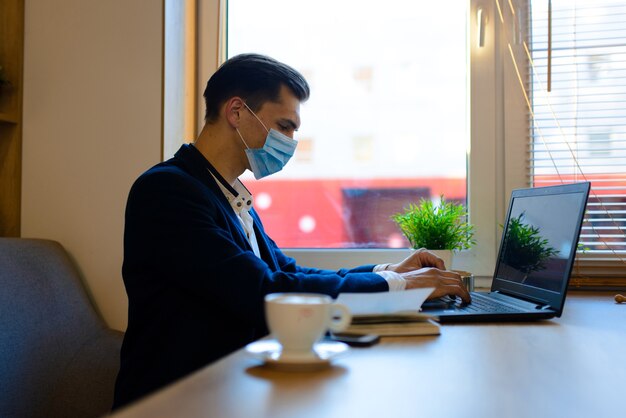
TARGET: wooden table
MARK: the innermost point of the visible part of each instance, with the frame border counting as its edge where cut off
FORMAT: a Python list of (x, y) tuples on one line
[(573, 366)]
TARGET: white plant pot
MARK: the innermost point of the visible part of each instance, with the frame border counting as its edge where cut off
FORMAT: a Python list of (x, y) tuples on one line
[(446, 256)]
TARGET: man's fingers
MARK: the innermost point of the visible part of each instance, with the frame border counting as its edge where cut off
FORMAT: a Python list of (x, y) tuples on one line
[(433, 260), (433, 273), (450, 275), (420, 258), (454, 290), (429, 259), (445, 282)]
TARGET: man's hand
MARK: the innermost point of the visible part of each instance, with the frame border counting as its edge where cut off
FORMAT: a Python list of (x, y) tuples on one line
[(419, 259), (445, 282)]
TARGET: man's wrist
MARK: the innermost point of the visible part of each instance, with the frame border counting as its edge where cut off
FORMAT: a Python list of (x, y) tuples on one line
[(381, 267), (395, 280)]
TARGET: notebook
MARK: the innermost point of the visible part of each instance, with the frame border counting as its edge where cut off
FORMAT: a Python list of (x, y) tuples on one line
[(394, 324), (535, 259)]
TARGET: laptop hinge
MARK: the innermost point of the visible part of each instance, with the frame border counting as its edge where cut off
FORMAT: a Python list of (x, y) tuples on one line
[(538, 303)]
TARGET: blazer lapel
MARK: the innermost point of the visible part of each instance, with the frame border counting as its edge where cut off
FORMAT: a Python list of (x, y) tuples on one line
[(192, 161), (265, 247)]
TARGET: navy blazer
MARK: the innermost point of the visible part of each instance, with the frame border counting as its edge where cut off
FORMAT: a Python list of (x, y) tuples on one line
[(195, 288)]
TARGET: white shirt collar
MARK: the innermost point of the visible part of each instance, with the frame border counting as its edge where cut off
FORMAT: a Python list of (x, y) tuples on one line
[(242, 201)]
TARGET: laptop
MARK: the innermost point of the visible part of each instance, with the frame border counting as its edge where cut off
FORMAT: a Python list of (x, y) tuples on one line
[(535, 259)]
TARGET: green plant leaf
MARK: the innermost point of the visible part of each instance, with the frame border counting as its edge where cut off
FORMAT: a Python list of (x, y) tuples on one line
[(436, 227)]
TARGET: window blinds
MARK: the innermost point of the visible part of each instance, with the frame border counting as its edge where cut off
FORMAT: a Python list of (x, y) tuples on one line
[(578, 121)]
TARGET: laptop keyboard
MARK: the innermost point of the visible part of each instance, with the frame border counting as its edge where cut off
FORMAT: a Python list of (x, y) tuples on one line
[(481, 303)]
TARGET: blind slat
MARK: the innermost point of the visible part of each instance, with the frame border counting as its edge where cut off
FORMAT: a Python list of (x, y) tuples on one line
[(588, 138), (568, 156)]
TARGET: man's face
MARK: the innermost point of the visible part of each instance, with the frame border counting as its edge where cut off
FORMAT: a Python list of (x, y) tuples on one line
[(283, 116)]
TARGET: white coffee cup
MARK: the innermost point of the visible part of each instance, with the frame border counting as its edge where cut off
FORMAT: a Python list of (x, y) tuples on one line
[(299, 320)]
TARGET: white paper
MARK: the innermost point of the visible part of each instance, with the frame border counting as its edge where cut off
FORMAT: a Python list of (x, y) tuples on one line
[(384, 302)]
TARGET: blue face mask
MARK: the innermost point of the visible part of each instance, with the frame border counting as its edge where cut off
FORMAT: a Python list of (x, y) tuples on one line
[(278, 149)]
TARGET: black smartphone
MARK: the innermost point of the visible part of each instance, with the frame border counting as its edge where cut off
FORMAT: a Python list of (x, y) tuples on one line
[(356, 340)]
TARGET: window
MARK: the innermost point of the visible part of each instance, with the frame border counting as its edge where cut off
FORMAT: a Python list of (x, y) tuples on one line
[(578, 121), (386, 121)]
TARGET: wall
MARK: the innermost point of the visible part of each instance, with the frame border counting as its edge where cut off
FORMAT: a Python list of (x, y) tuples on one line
[(92, 124)]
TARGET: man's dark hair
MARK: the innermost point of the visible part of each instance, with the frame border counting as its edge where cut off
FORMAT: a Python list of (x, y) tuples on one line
[(255, 78)]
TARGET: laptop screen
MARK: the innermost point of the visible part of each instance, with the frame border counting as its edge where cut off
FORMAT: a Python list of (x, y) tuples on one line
[(540, 237)]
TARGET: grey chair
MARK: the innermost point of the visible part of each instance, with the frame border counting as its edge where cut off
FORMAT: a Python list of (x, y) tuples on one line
[(57, 357)]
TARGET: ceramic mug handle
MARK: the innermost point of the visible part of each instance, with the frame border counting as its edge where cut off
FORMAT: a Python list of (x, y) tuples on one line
[(340, 324)]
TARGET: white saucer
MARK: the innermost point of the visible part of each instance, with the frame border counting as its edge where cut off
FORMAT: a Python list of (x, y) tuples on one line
[(270, 353)]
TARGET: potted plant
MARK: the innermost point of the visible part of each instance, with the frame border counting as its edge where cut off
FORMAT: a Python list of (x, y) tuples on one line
[(442, 228)]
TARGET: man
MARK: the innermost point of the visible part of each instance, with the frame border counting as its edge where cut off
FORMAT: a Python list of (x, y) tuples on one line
[(197, 261)]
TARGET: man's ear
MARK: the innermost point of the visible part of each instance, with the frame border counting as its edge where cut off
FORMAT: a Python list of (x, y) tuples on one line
[(232, 110)]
